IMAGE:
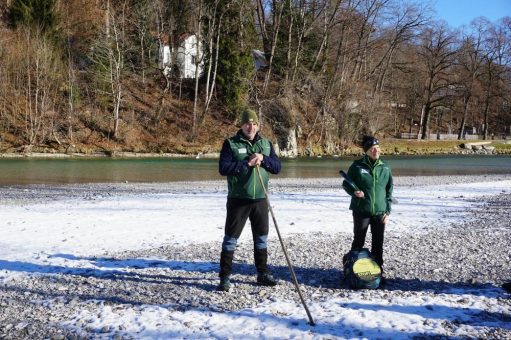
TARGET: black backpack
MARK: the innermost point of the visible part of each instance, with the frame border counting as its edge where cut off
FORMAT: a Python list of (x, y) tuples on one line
[(361, 270)]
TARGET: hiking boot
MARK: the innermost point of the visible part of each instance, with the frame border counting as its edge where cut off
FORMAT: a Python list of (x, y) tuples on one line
[(225, 284), (383, 282), (265, 279)]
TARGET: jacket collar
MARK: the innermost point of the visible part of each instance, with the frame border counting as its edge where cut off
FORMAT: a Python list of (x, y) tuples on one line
[(370, 163), (242, 136)]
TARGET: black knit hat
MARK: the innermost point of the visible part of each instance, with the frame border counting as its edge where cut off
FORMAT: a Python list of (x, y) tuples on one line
[(368, 142)]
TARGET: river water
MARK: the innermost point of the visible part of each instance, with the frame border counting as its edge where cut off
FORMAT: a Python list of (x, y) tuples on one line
[(21, 171)]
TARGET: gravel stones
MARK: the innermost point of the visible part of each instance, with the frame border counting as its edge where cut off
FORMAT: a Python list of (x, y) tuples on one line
[(471, 255), (90, 192)]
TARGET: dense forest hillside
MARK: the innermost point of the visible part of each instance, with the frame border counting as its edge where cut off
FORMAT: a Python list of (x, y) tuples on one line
[(112, 75)]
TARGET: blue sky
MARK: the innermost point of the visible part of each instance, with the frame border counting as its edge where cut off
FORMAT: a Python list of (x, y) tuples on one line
[(461, 12)]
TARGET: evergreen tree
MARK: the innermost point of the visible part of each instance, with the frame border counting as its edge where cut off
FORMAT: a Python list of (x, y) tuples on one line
[(235, 66), (180, 12), (34, 12)]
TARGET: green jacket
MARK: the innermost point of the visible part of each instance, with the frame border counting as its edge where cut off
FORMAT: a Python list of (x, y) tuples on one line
[(375, 180), (243, 180)]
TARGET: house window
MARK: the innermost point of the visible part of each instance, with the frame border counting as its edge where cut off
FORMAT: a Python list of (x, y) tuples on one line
[(194, 60)]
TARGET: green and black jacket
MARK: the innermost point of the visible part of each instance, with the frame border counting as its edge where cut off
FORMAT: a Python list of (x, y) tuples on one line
[(375, 180), (242, 180)]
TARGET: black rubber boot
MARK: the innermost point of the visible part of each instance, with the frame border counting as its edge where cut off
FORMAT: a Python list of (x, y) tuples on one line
[(226, 263), (261, 260), (383, 283), (225, 284), (265, 279)]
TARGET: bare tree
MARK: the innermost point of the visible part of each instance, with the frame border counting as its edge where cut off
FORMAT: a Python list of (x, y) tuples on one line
[(470, 60), (108, 57), (436, 57), (497, 59), (270, 39), (213, 16), (404, 21), (330, 20), (33, 74), (369, 14), (198, 61)]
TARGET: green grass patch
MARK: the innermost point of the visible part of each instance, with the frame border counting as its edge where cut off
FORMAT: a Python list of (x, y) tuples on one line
[(407, 147), (502, 146)]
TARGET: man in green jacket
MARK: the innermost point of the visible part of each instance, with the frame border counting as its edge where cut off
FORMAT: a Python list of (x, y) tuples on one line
[(371, 197), (242, 157)]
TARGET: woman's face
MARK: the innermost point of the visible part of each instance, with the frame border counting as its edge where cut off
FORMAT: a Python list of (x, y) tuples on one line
[(374, 152)]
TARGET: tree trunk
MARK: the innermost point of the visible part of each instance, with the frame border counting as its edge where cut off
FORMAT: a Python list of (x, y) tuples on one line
[(198, 59), (461, 132), (277, 15)]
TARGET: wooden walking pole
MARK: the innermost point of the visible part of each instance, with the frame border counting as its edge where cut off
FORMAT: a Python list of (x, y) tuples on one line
[(295, 281)]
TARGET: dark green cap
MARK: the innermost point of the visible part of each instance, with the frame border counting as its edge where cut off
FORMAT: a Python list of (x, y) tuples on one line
[(249, 116)]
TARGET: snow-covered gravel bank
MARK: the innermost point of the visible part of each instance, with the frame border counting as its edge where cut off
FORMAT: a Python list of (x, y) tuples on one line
[(446, 250)]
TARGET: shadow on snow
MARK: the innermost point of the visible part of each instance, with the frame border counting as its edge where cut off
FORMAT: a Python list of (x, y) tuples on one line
[(131, 269)]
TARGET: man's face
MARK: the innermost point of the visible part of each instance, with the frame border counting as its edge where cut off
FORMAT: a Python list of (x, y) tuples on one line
[(250, 130), (374, 152)]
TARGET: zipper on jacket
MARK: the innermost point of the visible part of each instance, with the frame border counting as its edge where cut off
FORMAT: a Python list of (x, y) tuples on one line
[(373, 175), (254, 175), (374, 191), (375, 179), (253, 169)]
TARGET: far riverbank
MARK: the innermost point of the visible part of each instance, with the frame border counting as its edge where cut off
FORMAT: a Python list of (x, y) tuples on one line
[(390, 147)]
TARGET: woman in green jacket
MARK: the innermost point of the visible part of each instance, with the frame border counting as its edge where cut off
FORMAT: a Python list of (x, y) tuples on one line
[(371, 197)]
